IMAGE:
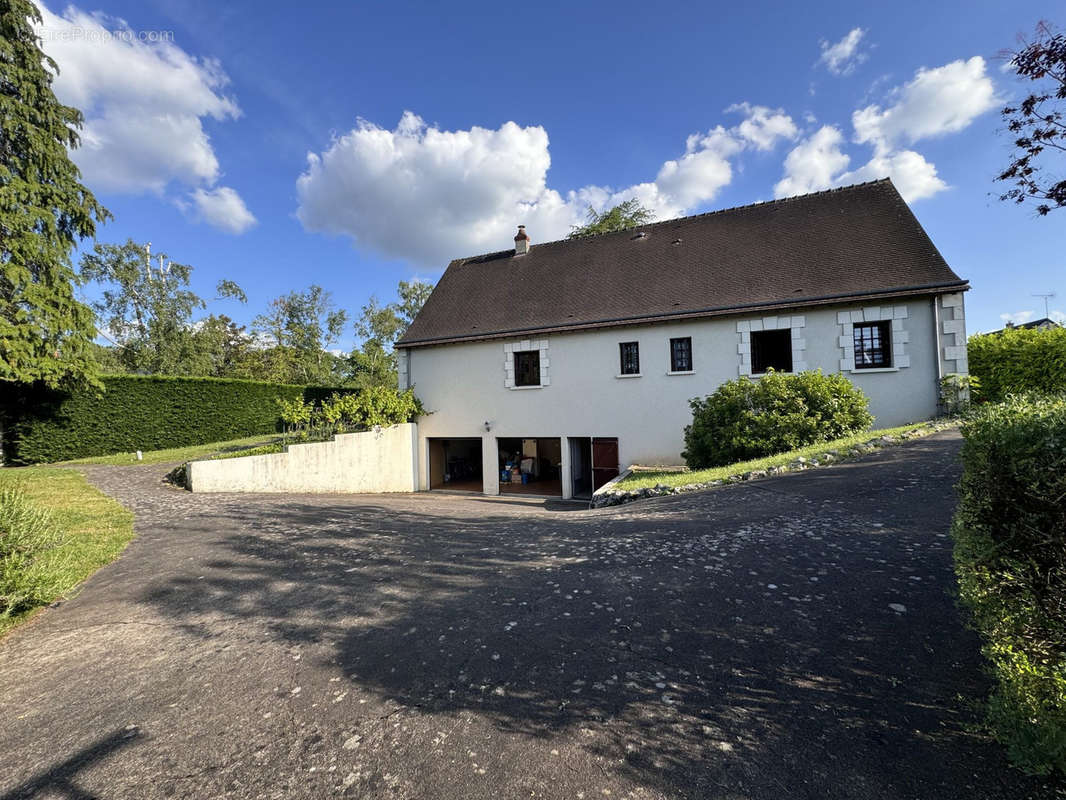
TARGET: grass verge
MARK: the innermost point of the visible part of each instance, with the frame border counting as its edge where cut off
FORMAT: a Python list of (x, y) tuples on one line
[(93, 529), (647, 479), (192, 453)]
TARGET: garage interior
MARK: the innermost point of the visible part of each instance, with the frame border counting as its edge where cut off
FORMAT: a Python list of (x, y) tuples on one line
[(455, 465), (531, 466)]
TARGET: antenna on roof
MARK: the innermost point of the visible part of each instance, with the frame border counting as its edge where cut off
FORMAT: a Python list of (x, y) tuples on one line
[(1046, 296)]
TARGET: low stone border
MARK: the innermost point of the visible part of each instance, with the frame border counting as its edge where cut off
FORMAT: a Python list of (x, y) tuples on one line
[(827, 458)]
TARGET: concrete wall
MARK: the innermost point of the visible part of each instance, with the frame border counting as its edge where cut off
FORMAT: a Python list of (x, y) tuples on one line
[(383, 460), (465, 386)]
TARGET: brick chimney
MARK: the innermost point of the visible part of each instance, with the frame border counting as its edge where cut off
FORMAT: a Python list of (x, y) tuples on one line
[(521, 241)]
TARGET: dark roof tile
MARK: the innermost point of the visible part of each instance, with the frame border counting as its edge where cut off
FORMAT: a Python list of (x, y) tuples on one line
[(853, 242)]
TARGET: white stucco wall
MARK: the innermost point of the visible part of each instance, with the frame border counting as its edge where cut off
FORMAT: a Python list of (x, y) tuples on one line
[(466, 385), (383, 460)]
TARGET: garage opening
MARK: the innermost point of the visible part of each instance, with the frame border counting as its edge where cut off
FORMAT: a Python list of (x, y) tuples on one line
[(531, 466), (455, 464)]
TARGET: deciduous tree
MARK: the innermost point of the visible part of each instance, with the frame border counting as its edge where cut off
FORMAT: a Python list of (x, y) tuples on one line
[(628, 214), (298, 329), (147, 307), (1037, 124), (373, 363)]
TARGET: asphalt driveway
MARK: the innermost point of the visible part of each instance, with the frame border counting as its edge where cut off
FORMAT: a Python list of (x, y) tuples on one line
[(790, 638)]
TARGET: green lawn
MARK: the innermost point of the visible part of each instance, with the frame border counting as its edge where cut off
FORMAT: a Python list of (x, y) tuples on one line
[(192, 453), (95, 527), (650, 478)]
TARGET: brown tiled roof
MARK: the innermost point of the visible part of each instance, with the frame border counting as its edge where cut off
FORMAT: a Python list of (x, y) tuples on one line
[(857, 242)]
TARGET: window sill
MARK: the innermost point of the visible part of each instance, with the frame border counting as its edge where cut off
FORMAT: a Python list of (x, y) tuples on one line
[(630, 375), (682, 372), (523, 388), (862, 371), (776, 372)]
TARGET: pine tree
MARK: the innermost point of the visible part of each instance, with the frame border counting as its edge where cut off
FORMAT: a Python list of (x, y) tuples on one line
[(46, 335)]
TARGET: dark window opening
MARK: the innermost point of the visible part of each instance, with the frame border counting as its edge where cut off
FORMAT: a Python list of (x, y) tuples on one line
[(630, 354), (681, 354), (771, 350), (527, 368), (873, 345)]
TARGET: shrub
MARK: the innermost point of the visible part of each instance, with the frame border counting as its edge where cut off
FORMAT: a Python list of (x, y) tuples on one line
[(343, 413), (26, 533), (1010, 556), (957, 392), (1019, 360), (141, 413), (746, 419)]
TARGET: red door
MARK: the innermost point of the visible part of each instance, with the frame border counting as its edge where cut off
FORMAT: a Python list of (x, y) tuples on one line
[(604, 461)]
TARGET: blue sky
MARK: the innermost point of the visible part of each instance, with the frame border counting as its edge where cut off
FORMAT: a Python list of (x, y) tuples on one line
[(355, 145)]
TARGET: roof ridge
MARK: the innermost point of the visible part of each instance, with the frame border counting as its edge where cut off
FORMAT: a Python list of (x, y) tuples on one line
[(730, 209)]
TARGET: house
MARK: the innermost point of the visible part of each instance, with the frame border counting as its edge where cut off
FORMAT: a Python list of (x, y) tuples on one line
[(1043, 324), (547, 367)]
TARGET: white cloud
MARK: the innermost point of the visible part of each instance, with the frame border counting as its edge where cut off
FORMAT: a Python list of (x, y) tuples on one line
[(818, 162), (814, 163), (1058, 316), (1018, 317), (223, 208), (422, 194), (763, 126), (936, 102), (841, 58), (914, 177), (144, 100)]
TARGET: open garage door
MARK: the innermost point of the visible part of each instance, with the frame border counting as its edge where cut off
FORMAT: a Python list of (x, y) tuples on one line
[(455, 464), (531, 466)]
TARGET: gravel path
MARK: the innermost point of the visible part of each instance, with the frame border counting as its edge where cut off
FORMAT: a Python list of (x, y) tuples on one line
[(794, 637)]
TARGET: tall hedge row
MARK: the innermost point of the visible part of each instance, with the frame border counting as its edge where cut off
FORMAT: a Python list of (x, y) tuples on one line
[(137, 412), (1019, 360), (1010, 556)]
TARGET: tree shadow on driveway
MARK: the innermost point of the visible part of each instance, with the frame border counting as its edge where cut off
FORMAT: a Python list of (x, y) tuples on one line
[(764, 640)]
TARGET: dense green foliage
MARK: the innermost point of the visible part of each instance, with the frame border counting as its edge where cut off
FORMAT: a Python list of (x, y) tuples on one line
[(345, 413), (45, 333), (142, 413), (1010, 555), (628, 214), (27, 532), (1019, 360), (747, 419)]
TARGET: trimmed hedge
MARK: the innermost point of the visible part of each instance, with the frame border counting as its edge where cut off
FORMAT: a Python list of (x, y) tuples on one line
[(1019, 360), (746, 419), (137, 412), (1010, 556)]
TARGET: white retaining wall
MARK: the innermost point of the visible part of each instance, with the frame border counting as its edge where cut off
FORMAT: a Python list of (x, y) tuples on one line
[(382, 460)]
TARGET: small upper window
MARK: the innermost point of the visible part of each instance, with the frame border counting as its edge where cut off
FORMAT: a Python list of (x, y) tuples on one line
[(681, 354), (771, 350), (873, 345), (527, 368), (630, 357)]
